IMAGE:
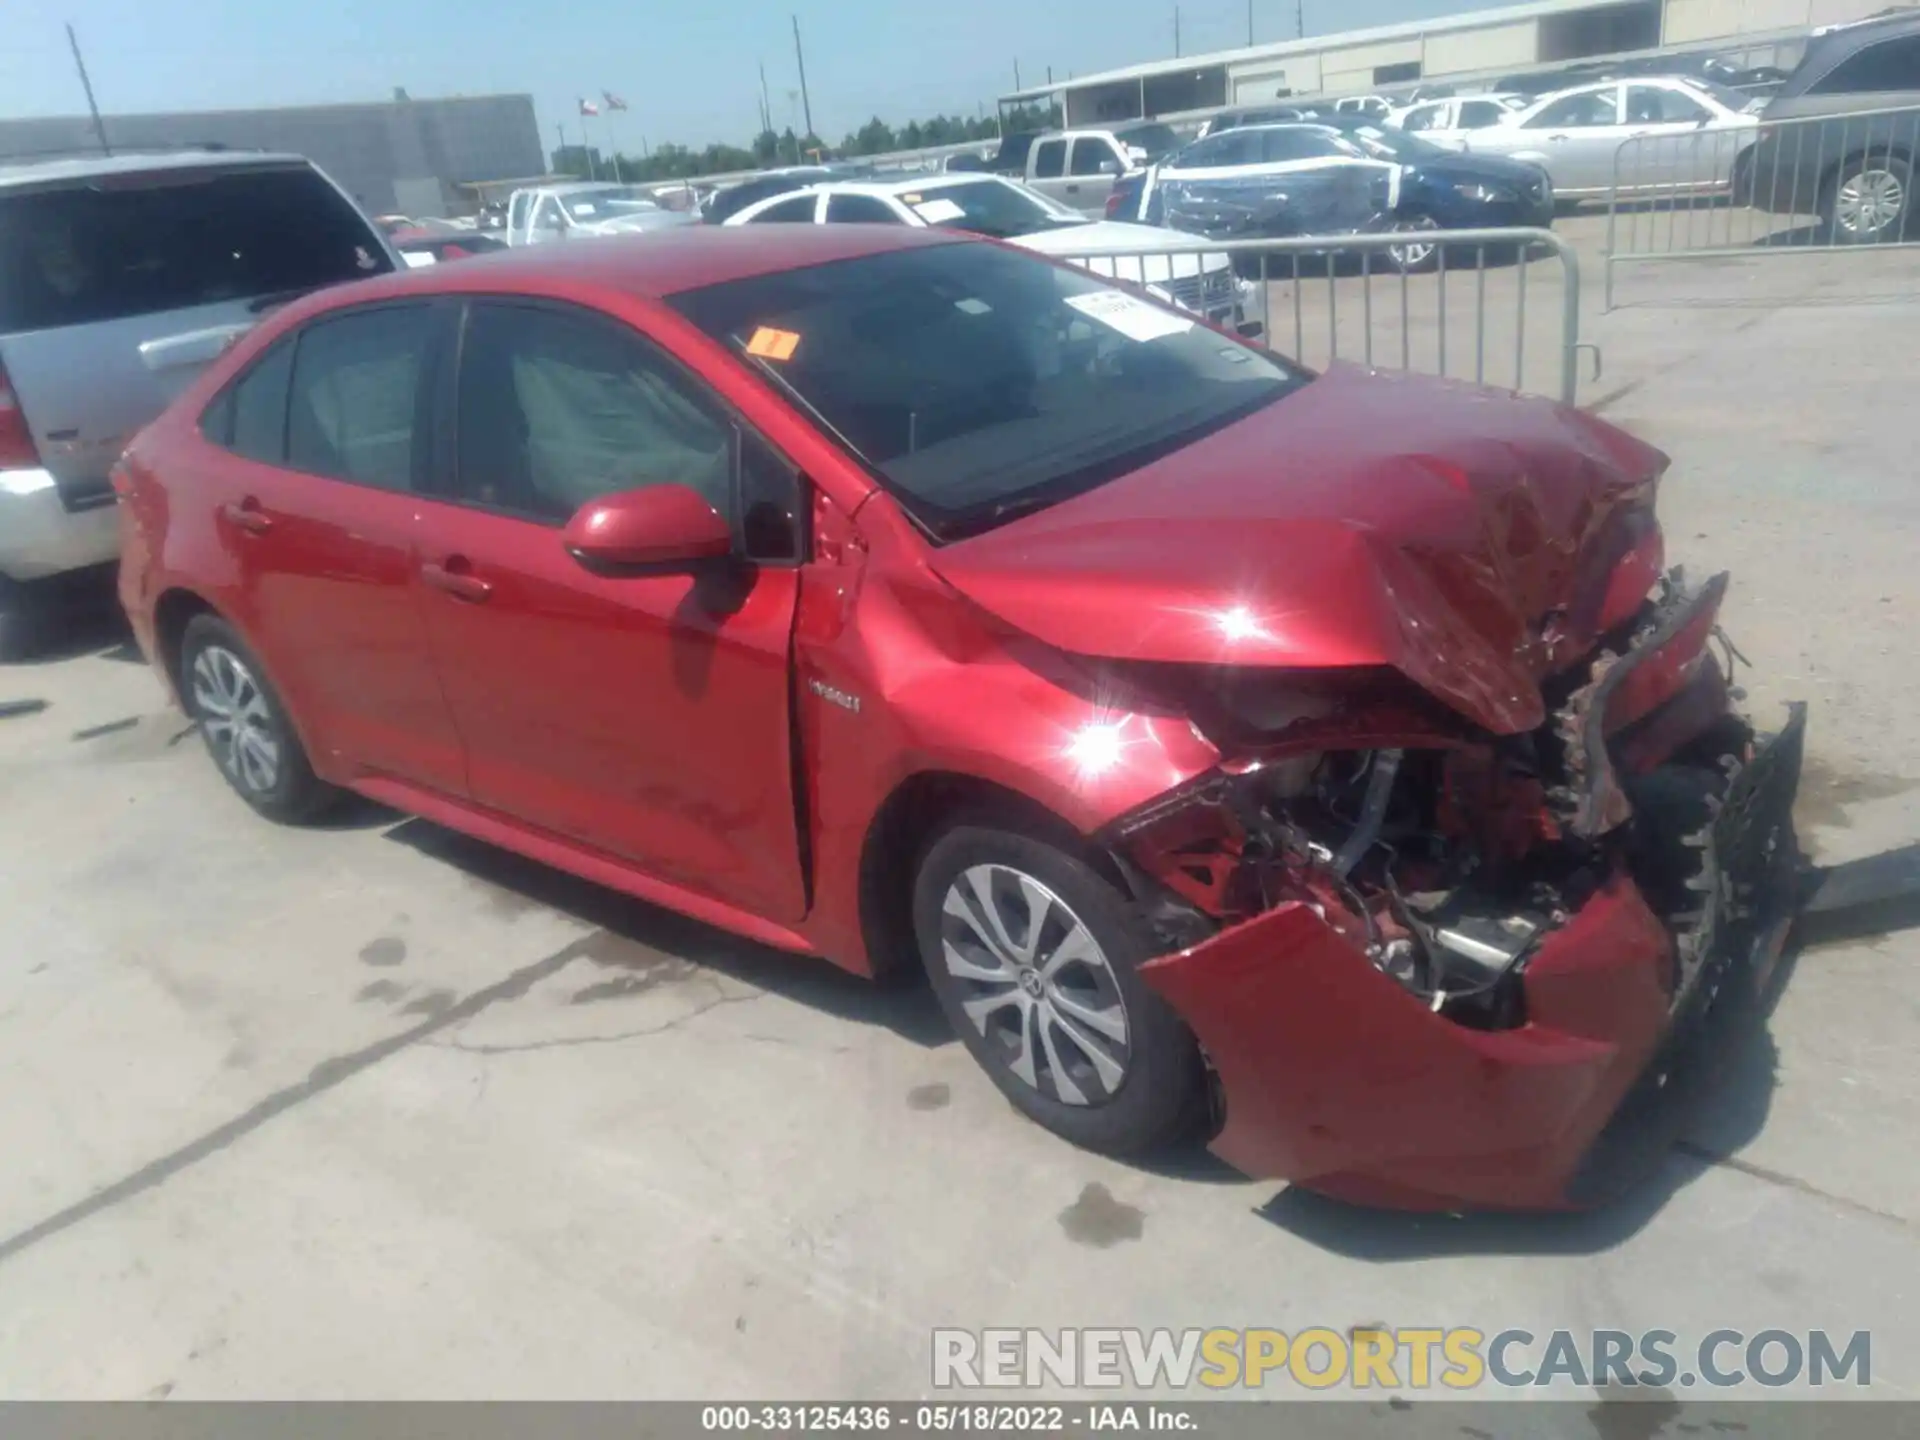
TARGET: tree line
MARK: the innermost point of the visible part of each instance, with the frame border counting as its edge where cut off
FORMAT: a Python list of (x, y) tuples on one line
[(771, 148)]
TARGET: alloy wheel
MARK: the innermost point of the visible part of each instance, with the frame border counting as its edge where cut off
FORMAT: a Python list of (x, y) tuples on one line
[(1869, 202), (1037, 984), (233, 714), (1417, 253)]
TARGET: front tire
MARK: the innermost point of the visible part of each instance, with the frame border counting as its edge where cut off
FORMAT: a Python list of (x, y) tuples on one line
[(1034, 957), (1421, 254), (245, 724), (1869, 200)]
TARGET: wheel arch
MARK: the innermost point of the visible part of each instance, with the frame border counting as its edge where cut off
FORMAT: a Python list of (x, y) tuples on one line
[(1893, 147), (903, 825), (173, 611)]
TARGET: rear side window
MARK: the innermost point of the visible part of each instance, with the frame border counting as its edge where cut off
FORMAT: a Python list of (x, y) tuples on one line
[(250, 416), (1887, 66), (860, 210), (354, 403), (139, 245), (1049, 159), (1578, 112), (1479, 114), (797, 211)]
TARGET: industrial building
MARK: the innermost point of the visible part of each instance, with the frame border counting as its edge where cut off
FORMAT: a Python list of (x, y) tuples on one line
[(413, 157), (1479, 46)]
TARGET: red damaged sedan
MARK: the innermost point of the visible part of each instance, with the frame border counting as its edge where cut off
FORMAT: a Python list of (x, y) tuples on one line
[(1324, 759)]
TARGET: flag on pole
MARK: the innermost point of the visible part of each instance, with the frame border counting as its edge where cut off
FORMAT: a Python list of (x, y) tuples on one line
[(614, 102), (587, 107)]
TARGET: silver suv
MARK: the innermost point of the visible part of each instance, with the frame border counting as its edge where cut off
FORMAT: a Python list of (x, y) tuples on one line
[(120, 277)]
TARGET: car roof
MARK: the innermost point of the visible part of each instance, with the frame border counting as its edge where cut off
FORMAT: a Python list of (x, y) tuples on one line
[(659, 264), (27, 170)]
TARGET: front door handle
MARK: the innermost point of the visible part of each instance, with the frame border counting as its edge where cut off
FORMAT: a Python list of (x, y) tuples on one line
[(457, 579), (248, 516)]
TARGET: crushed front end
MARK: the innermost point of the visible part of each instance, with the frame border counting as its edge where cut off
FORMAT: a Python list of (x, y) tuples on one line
[(1435, 966)]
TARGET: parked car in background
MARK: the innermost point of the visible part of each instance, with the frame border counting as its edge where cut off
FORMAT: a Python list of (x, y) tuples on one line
[(1319, 178), (1009, 157), (120, 278), (1006, 210), (1698, 130), (1446, 122), (1375, 107), (1199, 724), (723, 204), (1078, 167), (542, 214), (1841, 136), (427, 247), (1252, 115)]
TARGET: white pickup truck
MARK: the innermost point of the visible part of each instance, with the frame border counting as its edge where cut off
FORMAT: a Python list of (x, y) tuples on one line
[(1078, 167), (557, 212)]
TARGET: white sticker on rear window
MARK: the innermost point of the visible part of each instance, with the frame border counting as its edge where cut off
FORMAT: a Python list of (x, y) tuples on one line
[(581, 207), (1132, 317), (934, 212), (972, 305)]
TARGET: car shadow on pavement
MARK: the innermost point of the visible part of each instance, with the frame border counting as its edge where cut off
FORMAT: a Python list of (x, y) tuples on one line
[(80, 618), (1705, 1128), (642, 933)]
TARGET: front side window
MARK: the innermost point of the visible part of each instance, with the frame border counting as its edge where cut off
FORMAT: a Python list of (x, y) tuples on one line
[(1890, 65), (353, 411), (1095, 157), (1425, 117), (1584, 111), (978, 382), (556, 409), (1049, 159)]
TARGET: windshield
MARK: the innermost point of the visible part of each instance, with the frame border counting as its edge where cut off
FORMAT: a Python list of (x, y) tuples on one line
[(998, 208), (1156, 140), (978, 382), (609, 200)]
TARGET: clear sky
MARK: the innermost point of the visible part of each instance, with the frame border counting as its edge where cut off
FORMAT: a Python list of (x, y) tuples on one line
[(688, 68)]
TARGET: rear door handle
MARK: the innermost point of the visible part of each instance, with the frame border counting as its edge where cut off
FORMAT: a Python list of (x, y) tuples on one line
[(457, 579), (248, 516)]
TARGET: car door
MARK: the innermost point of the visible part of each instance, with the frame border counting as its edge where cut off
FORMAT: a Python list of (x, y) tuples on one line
[(1673, 147), (326, 439), (1575, 137), (1093, 164), (1047, 162), (644, 715)]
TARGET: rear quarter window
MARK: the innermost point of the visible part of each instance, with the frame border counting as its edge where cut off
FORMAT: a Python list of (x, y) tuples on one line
[(140, 245)]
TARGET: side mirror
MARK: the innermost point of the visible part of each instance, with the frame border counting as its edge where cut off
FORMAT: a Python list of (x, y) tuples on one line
[(662, 525)]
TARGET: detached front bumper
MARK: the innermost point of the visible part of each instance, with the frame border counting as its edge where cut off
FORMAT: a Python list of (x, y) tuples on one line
[(1338, 1079)]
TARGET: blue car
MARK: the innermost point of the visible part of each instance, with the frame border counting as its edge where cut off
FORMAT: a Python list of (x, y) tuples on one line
[(1326, 177)]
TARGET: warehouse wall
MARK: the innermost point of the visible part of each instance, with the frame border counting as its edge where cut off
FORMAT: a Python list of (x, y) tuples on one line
[(1498, 47), (430, 145), (1351, 68), (1260, 82)]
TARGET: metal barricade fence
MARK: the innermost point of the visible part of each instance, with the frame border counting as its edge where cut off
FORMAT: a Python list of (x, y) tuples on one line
[(1806, 185), (1459, 303)]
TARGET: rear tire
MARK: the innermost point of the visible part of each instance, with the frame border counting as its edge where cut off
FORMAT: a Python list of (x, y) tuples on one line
[(245, 724), (1034, 958), (1422, 254), (1868, 200)]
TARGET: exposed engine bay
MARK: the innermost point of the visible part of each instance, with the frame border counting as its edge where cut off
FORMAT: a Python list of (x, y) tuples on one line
[(1446, 854)]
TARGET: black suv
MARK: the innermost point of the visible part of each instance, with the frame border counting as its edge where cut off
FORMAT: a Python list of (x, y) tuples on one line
[(1840, 138)]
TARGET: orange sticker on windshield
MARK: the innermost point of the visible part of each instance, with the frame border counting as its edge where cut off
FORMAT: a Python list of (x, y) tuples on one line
[(771, 344)]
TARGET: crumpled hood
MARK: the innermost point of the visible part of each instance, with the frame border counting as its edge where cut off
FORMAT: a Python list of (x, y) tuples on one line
[(1472, 539)]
